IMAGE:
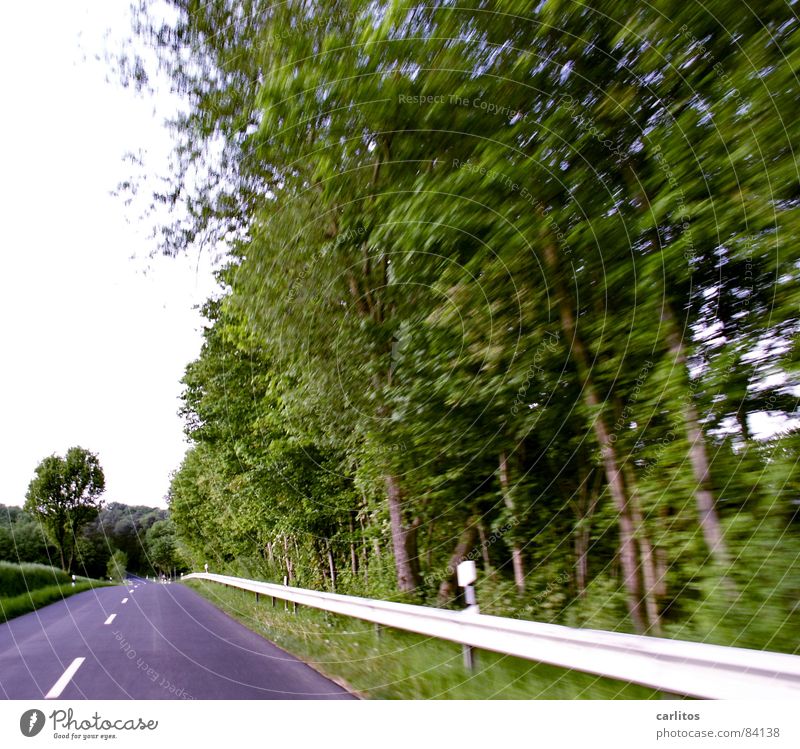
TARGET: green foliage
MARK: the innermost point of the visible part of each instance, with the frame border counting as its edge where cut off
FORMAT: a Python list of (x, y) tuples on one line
[(117, 566), (26, 602), (20, 578), (64, 497), (162, 548), (125, 527), (117, 526), (22, 537), (539, 278)]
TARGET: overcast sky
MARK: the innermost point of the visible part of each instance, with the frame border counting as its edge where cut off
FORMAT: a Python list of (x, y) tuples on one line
[(93, 343)]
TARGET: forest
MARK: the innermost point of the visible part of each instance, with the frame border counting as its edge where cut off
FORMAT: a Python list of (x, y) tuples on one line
[(515, 285), (143, 538)]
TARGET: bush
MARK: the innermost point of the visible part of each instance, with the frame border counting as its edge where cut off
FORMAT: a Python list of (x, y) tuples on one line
[(36, 599), (16, 579), (117, 565)]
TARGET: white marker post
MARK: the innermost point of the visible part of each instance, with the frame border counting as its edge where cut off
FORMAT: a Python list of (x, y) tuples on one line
[(467, 574), (73, 581)]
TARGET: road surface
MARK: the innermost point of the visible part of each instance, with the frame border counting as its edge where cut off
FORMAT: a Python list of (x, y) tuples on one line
[(147, 641)]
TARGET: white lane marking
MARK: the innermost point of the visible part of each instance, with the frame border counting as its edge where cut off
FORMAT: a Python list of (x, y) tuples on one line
[(131, 591), (124, 600), (58, 687), (110, 619)]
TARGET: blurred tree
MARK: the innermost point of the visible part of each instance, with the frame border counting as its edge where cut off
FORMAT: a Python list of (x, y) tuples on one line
[(64, 496), (161, 546), (529, 270), (117, 566)]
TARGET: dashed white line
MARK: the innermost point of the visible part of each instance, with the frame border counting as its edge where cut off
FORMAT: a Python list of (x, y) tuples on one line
[(58, 687), (124, 600), (110, 619)]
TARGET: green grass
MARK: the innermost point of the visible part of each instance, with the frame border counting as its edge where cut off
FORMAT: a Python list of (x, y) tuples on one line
[(27, 587), (24, 603), (401, 665), (20, 578)]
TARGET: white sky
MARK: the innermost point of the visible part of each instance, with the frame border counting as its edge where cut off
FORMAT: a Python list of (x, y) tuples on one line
[(92, 347)]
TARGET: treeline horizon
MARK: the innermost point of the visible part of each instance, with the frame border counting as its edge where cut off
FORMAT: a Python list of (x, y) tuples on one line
[(533, 271), (143, 534)]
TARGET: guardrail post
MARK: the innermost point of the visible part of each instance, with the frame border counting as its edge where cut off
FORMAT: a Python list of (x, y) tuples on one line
[(285, 602), (379, 631), (467, 574), (257, 599), (469, 657)]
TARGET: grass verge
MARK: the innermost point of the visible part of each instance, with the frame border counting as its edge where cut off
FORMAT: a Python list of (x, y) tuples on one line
[(402, 665), (20, 578), (13, 606)]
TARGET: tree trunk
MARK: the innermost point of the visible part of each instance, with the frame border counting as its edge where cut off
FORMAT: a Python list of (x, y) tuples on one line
[(331, 566), (466, 542), (412, 548), (741, 417), (364, 549), (353, 552), (581, 560), (698, 457), (487, 563), (288, 561), (517, 560), (627, 547), (71, 554), (584, 507), (661, 572), (406, 579), (649, 575)]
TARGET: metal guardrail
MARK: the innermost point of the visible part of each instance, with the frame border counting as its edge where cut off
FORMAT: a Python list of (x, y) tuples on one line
[(686, 668)]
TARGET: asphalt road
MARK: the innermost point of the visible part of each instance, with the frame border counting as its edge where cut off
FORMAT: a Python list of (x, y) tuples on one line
[(147, 641)]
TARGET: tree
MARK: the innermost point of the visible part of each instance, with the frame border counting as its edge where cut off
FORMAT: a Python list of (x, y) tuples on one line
[(22, 538), (161, 546), (117, 565), (520, 279), (125, 526), (65, 495)]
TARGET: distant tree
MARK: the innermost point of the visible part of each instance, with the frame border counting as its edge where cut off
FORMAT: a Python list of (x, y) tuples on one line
[(30, 540), (6, 544), (117, 565), (22, 537), (124, 527), (65, 495), (161, 545), (93, 550)]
